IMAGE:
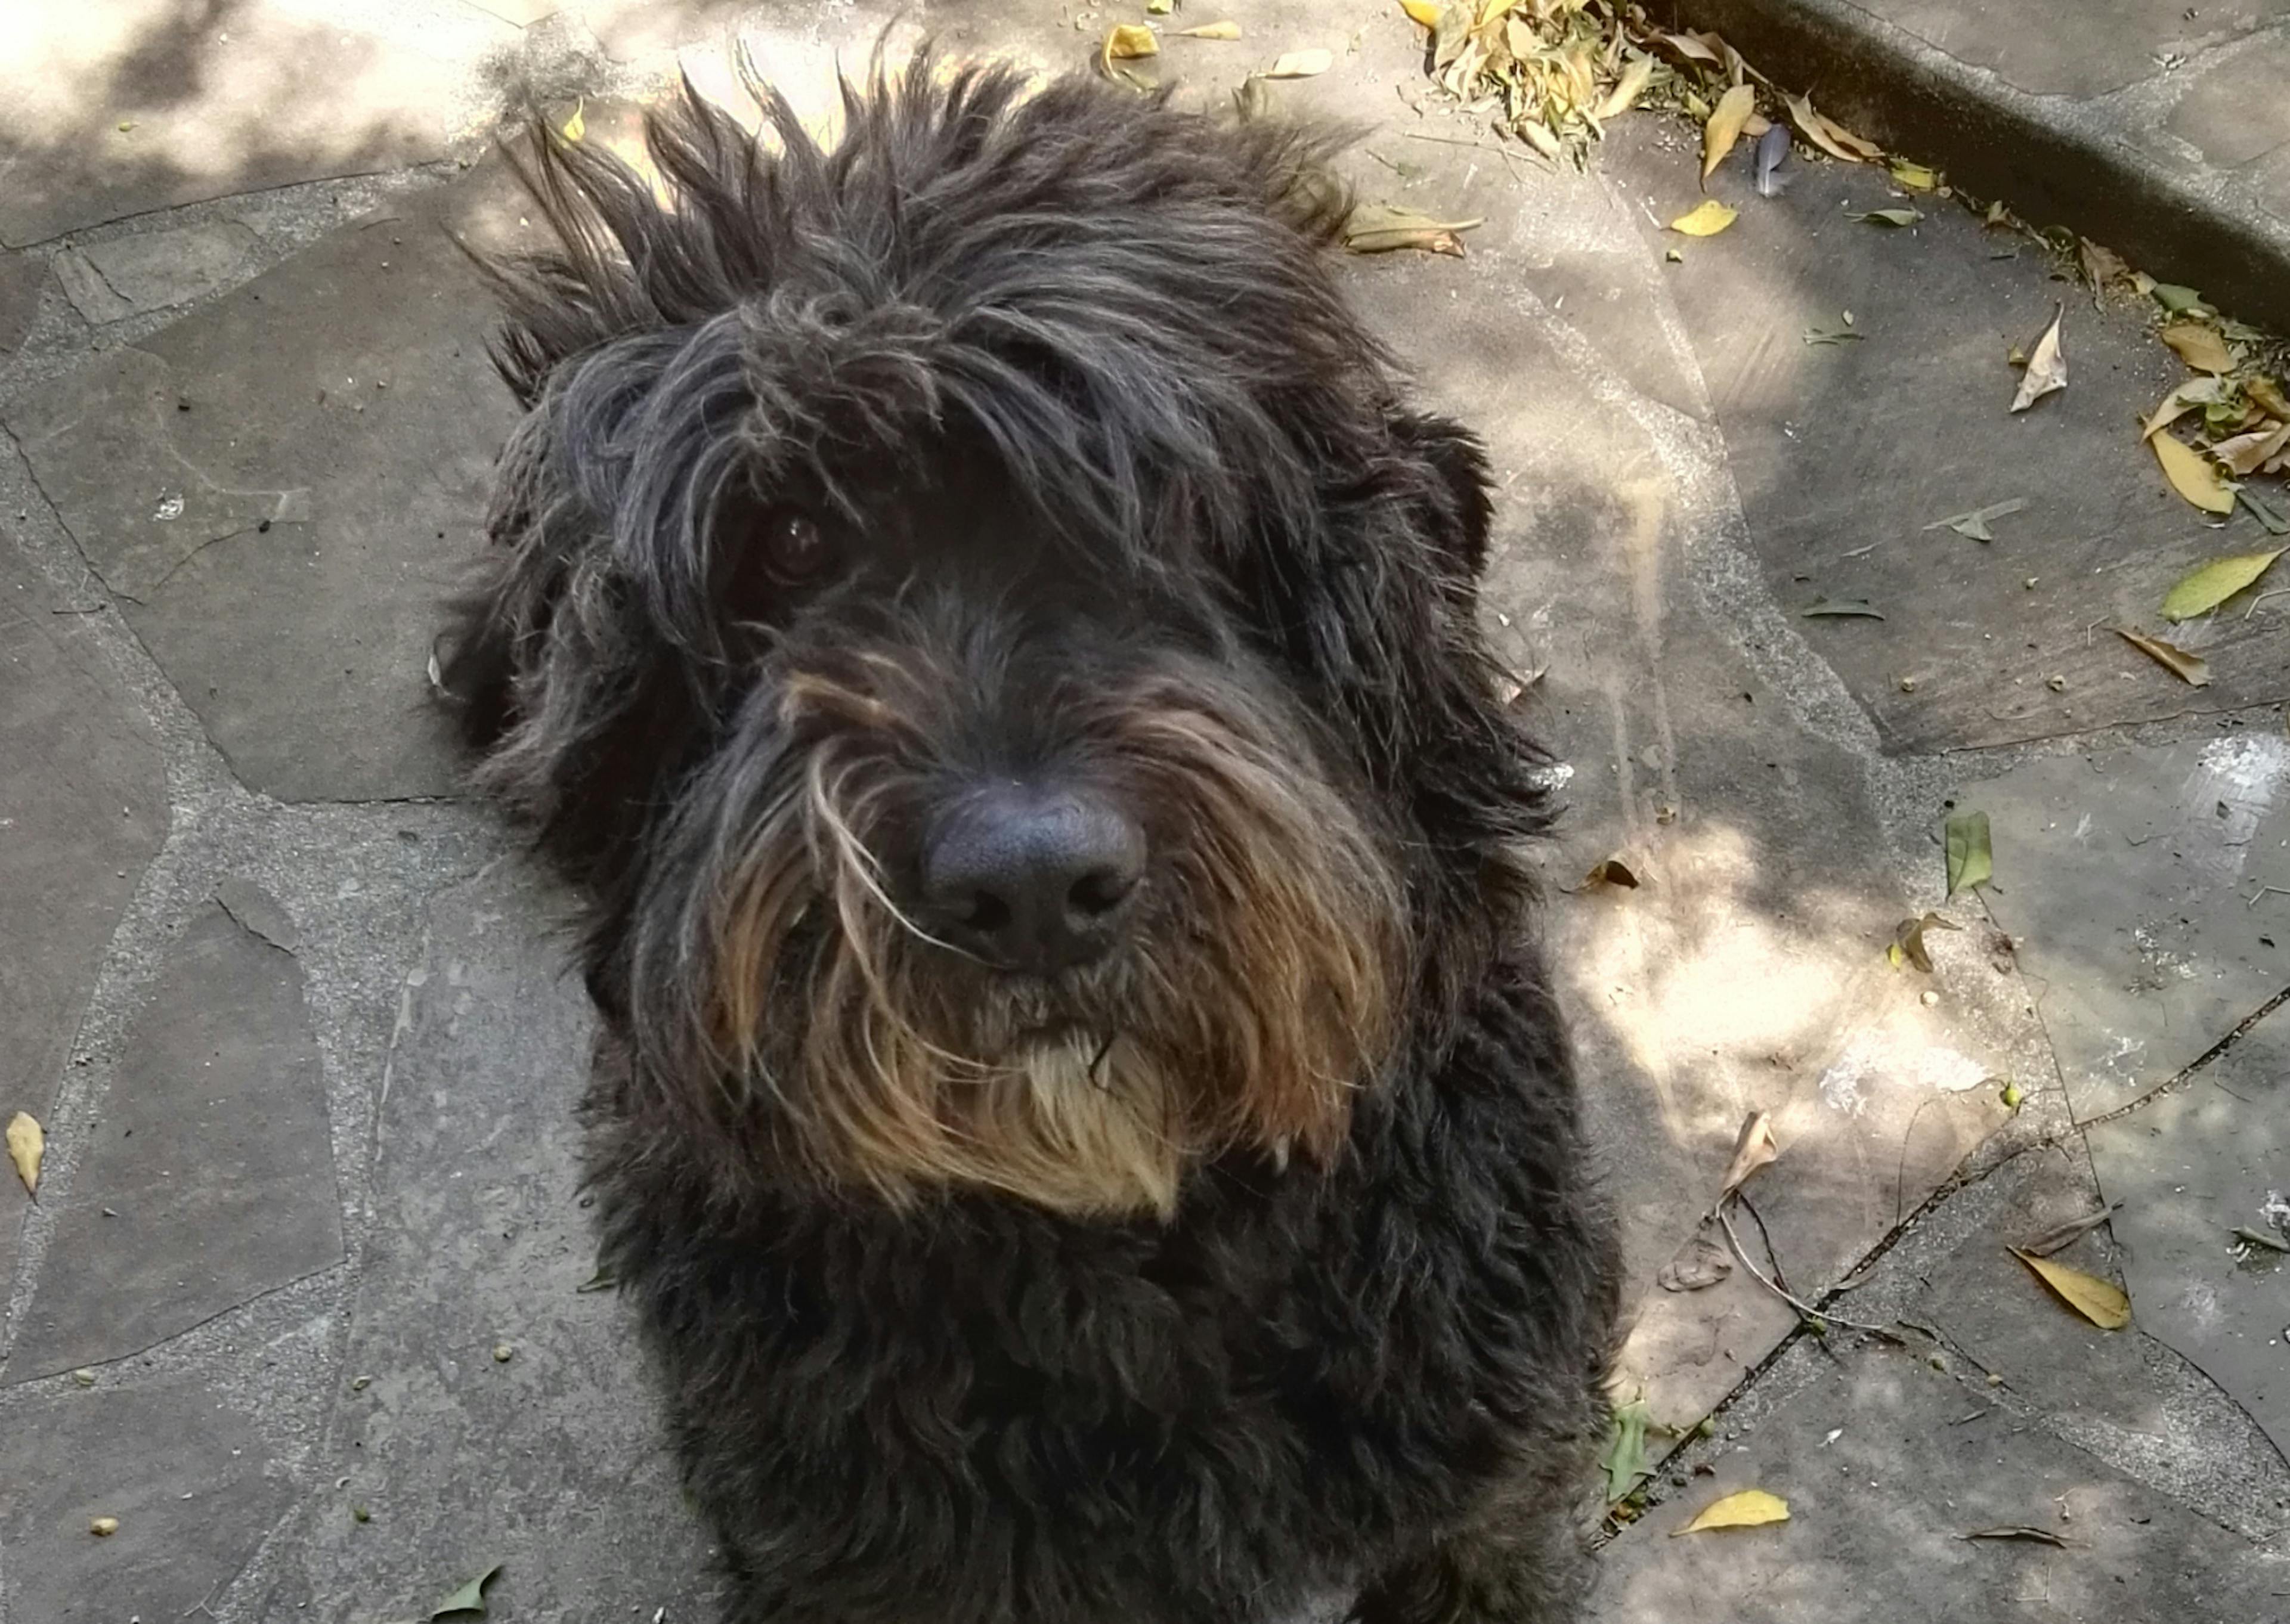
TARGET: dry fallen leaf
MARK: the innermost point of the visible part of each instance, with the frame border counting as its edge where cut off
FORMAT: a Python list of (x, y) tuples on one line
[(1702, 1262), (2246, 453), (1211, 30), (1537, 135), (2191, 475), (1129, 40), (2061, 1235), (1706, 218), (2100, 266), (2102, 1304), (1725, 127), (2267, 396), (1748, 1509), (1892, 217), (1627, 89), (1831, 137), (1422, 11), (1974, 525), (2199, 346), (2040, 1536), (1916, 177), (26, 1143), (469, 1597), (577, 126), (1909, 938), (1611, 871), (1753, 1149), (1377, 228), (1301, 65), (2047, 367), (2206, 589), (2190, 669)]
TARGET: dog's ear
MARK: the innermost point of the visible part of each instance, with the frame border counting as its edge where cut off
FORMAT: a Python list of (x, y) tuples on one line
[(1460, 501)]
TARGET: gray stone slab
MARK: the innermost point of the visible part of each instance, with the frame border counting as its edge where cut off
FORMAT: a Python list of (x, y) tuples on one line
[(2125, 877), (114, 109), (1845, 452), (2117, 43), (2192, 1169), (549, 1462), (189, 1479), (1757, 839), (1883, 1482), (20, 276), (2231, 107), (83, 808), (209, 1175), (1985, 1302), (126, 276), (284, 486), (629, 29)]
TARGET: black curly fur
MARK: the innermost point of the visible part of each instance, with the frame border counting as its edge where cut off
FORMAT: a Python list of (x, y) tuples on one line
[(1094, 319)]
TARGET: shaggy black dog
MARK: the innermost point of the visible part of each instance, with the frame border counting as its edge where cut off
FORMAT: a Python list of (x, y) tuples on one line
[(976, 616)]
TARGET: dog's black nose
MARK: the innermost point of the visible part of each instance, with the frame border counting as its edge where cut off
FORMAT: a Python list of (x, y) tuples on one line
[(1031, 878)]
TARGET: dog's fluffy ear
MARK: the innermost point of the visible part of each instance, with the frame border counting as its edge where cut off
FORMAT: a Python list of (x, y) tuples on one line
[(1463, 499)]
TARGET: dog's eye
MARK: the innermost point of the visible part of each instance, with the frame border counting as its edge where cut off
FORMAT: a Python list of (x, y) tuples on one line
[(794, 547)]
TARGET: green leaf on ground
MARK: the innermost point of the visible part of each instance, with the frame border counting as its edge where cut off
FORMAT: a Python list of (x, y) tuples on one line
[(1971, 863), (2214, 582), (1624, 1458), (470, 1598), (2271, 519), (1974, 524), (2176, 299)]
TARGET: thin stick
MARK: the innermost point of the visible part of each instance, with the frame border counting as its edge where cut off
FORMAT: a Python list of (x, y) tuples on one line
[(1804, 1309)]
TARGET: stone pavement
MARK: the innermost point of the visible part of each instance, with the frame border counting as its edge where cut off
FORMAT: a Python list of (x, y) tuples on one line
[(300, 1302), (2157, 127)]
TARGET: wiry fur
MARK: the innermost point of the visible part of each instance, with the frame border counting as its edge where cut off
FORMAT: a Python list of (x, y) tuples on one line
[(1259, 1257)]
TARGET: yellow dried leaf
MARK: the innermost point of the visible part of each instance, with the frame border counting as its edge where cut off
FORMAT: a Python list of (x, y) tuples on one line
[(1753, 1149), (1725, 127), (2191, 475), (1536, 134), (1377, 228), (1916, 177), (26, 1144), (1748, 1509), (2246, 453), (2098, 1301), (1489, 10), (2047, 367), (1627, 89), (2216, 581), (1129, 40), (1422, 11), (1301, 65), (1611, 871), (577, 126), (2267, 396), (1706, 218), (1831, 137), (1217, 30), (2200, 346), (2192, 669)]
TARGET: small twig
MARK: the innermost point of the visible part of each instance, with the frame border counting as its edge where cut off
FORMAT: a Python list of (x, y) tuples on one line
[(1804, 1309), (2264, 892), (2261, 597)]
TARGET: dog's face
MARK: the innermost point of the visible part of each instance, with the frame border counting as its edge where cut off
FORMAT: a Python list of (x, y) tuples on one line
[(979, 621)]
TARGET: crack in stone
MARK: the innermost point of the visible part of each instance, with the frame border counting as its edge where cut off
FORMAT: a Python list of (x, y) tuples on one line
[(2186, 1074)]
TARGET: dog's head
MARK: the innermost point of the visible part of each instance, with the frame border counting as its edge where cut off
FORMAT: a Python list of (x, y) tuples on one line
[(975, 612)]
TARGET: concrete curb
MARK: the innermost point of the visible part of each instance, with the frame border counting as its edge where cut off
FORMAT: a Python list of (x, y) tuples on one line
[(2054, 160)]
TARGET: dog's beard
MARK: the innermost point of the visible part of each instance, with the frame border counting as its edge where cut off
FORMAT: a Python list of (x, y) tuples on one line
[(1251, 997)]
